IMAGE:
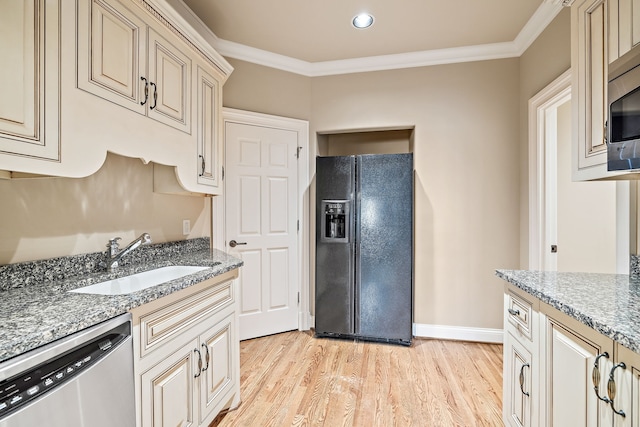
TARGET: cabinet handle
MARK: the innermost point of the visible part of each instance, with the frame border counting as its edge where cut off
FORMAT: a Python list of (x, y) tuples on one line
[(513, 312), (206, 357), (195, 350), (611, 388), (595, 376), (202, 164), (155, 95), (526, 365), (146, 90)]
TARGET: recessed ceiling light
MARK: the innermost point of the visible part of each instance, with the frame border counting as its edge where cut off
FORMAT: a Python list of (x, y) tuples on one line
[(364, 20)]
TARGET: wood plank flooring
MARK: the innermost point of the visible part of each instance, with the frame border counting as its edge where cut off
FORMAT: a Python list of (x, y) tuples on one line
[(294, 379)]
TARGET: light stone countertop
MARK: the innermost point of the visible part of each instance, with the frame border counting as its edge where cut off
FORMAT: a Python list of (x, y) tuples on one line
[(36, 309), (608, 303)]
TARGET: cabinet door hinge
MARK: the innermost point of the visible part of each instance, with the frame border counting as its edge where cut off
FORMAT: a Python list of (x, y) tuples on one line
[(223, 173), (298, 227), (298, 298)]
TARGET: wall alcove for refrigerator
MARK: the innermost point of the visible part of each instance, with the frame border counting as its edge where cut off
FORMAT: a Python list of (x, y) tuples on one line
[(364, 236)]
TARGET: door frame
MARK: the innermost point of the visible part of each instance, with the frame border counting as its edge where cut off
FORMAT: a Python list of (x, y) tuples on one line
[(542, 128), (542, 132), (301, 127)]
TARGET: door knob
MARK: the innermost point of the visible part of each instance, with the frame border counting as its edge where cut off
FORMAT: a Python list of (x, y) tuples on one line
[(233, 243)]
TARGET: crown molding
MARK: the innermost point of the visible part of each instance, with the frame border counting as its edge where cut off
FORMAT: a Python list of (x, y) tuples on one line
[(545, 13)]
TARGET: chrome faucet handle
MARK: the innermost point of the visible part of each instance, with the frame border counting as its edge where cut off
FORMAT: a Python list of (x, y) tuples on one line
[(114, 241), (112, 246)]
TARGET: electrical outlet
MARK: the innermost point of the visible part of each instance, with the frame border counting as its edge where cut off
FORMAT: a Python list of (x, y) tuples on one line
[(186, 227)]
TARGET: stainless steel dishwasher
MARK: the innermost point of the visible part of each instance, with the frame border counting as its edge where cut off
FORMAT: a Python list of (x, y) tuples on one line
[(83, 380)]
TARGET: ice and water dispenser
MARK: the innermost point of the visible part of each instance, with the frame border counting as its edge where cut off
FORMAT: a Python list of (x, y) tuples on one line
[(335, 221)]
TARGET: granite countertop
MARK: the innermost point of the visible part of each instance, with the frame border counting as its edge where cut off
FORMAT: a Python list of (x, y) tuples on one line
[(608, 303), (36, 308)]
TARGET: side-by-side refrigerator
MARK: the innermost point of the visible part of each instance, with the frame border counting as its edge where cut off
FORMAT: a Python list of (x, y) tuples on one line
[(364, 247)]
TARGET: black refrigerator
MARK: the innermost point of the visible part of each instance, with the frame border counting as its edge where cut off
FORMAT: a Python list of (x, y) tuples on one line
[(364, 247)]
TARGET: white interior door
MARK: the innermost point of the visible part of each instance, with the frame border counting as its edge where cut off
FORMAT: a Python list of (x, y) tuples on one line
[(261, 217)]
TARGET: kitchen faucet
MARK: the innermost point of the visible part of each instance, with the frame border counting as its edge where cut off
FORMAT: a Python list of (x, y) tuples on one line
[(114, 253)]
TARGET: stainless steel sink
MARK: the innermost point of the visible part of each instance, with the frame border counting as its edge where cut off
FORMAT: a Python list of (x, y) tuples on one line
[(139, 281)]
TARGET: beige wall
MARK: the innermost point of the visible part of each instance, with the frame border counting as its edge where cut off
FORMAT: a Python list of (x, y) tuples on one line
[(466, 214), (470, 154), (466, 121), (51, 217), (546, 59), (354, 143), (261, 89)]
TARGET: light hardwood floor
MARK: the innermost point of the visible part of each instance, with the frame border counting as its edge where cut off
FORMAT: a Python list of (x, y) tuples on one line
[(294, 379)]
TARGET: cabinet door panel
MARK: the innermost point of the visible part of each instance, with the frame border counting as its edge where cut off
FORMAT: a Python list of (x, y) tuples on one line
[(167, 390), (19, 47), (518, 399), (218, 377), (589, 62), (170, 72), (111, 42), (208, 128), (627, 382), (627, 22), (29, 39), (573, 399)]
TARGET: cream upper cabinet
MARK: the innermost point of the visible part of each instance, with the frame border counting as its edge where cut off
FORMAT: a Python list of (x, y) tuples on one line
[(625, 27), (588, 87), (169, 95), (29, 40), (601, 31), (209, 126), (125, 61), (138, 78)]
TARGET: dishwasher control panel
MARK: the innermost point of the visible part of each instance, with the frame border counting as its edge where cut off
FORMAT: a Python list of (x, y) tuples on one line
[(27, 386)]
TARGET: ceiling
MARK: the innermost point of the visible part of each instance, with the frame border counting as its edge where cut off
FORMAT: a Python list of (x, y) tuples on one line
[(315, 37)]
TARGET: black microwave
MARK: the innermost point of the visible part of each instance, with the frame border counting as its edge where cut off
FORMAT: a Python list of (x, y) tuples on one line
[(623, 124)]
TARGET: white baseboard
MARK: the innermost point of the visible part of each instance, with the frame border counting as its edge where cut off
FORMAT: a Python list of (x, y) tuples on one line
[(458, 333)]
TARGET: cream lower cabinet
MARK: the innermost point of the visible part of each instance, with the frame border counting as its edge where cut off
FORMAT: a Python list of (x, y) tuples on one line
[(626, 377), (559, 372), (521, 362), (576, 359), (186, 352)]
